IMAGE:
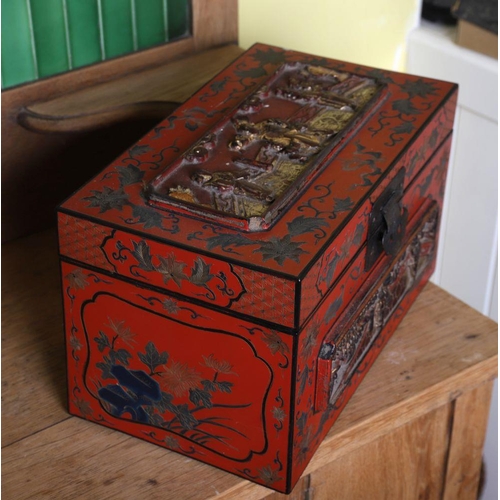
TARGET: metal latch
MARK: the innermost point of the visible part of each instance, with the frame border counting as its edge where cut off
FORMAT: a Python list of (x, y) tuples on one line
[(387, 224)]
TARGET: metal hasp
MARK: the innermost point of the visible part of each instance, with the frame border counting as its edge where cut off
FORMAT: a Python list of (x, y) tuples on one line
[(387, 225)]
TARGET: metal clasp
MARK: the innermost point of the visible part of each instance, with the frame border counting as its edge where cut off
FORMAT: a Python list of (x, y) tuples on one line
[(387, 224)]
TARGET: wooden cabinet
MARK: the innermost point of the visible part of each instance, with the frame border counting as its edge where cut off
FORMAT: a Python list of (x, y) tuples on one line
[(414, 429)]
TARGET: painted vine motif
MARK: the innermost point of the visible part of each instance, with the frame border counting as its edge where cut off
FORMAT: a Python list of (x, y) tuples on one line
[(172, 270)]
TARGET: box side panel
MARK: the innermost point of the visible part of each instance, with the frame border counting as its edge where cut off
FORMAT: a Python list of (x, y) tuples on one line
[(311, 425), (336, 257), (221, 284), (182, 376)]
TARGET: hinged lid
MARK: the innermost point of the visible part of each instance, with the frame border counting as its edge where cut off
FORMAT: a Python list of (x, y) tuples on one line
[(269, 112)]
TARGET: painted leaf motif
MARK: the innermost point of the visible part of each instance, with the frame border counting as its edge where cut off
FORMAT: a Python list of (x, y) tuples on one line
[(105, 367), (219, 85), (358, 234), (268, 475), (330, 269), (224, 386), (208, 385), (165, 403), (143, 255), (343, 204), (186, 420), (171, 442), (301, 423), (274, 342), (107, 199), (83, 406), (171, 269), (404, 128), (319, 61), (280, 249), (227, 240), (77, 279), (201, 273), (122, 331), (147, 216), (129, 175), (152, 358), (138, 150), (102, 342), (279, 414), (433, 138), (380, 75), (251, 73), (405, 107), (302, 224), (270, 56), (304, 377), (75, 343), (419, 88), (199, 397), (120, 355), (170, 306)]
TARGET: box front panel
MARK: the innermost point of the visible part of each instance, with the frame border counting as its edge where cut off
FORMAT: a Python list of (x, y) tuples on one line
[(188, 378)]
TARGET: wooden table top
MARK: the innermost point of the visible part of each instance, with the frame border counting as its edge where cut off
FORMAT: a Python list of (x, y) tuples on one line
[(442, 347)]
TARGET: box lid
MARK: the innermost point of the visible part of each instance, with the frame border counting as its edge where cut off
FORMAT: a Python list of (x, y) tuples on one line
[(209, 186)]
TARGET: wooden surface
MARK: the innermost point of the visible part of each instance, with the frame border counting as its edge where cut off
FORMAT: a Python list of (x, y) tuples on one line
[(174, 82), (414, 429)]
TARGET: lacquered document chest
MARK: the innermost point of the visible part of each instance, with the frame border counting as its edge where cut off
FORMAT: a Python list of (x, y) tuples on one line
[(229, 280)]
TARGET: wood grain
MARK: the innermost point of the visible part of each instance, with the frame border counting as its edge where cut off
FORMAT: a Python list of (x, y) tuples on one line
[(214, 22), (407, 463), (441, 352), (467, 440), (33, 357), (174, 82)]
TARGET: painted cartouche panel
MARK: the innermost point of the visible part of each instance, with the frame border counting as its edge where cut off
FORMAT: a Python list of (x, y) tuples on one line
[(176, 374), (297, 238), (173, 269)]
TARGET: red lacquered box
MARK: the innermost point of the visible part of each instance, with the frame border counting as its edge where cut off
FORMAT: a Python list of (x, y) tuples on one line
[(229, 280)]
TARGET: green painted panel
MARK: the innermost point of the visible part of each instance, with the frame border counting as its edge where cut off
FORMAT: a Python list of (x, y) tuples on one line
[(149, 18), (178, 18), (84, 36), (117, 27), (46, 37), (50, 36), (18, 63)]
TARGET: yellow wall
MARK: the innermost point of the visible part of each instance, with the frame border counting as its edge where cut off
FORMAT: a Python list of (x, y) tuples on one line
[(371, 32)]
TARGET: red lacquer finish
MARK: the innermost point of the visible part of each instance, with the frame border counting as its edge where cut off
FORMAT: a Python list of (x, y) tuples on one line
[(225, 344)]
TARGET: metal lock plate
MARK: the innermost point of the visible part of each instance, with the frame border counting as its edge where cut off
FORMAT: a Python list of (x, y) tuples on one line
[(387, 225)]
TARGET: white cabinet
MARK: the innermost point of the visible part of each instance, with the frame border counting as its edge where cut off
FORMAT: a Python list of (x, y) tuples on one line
[(467, 259)]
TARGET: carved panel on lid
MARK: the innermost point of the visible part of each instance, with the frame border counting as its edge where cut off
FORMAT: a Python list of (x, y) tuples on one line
[(244, 171)]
